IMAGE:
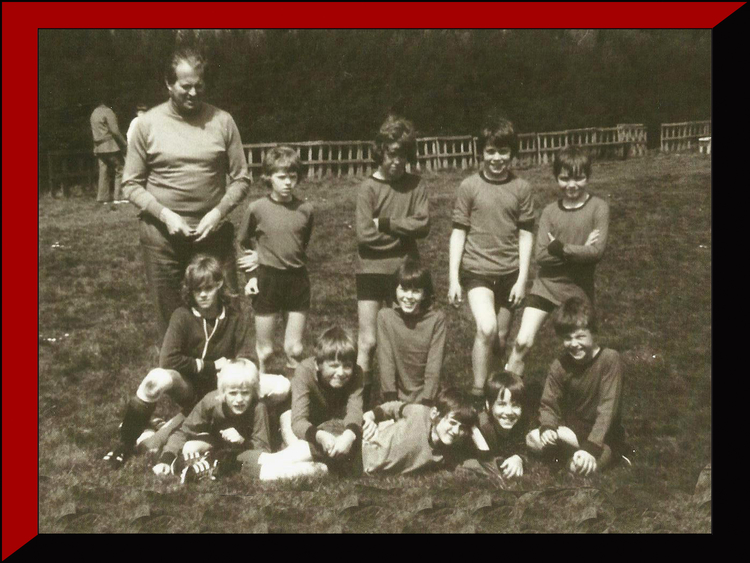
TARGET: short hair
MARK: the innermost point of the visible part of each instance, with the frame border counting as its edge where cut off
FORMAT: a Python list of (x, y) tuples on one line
[(500, 381), (280, 158), (574, 314), (452, 400), (239, 371), (190, 55), (399, 130), (574, 160), (412, 275), (336, 344), (498, 132), (203, 270)]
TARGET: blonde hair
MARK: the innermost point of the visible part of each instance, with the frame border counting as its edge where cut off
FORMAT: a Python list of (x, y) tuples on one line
[(239, 371)]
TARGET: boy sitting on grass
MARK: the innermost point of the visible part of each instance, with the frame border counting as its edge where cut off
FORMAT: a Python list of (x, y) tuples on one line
[(501, 444), (580, 412), (326, 415), (230, 422), (421, 438)]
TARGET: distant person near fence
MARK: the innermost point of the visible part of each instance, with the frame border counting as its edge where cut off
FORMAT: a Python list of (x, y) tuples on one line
[(109, 148), (176, 173)]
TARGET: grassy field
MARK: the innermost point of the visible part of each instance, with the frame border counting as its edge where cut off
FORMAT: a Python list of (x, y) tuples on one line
[(97, 327)]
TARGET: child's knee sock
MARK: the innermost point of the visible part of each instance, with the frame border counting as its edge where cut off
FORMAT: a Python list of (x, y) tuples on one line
[(137, 415)]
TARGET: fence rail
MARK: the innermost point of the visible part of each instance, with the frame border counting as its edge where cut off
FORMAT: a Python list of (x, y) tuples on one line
[(354, 158), (683, 136)]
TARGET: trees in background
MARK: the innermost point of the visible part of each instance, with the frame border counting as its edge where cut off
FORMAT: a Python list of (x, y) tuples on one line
[(291, 85)]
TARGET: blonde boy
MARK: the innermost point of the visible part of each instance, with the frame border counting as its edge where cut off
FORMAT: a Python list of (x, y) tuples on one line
[(231, 421)]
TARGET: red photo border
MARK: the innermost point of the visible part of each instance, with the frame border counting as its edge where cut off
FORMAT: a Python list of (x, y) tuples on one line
[(21, 22)]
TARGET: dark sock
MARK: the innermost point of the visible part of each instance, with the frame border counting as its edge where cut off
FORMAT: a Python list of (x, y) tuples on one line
[(137, 415), (367, 397)]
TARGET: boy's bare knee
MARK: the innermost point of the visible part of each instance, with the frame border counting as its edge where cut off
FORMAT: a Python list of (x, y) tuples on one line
[(523, 344), (486, 330), (366, 342), (264, 351), (533, 441), (293, 350), (154, 385)]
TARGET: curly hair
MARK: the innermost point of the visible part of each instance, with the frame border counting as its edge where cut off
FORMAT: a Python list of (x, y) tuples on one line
[(399, 130)]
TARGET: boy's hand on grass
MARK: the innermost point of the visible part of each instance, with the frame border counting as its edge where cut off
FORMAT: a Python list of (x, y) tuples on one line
[(512, 467), (584, 463), (369, 426), (326, 440), (175, 224), (343, 444), (161, 469), (248, 261), (251, 288), (232, 436), (549, 437), (593, 238), (208, 224), (454, 294)]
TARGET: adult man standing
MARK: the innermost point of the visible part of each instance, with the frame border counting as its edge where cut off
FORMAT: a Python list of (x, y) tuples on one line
[(109, 147), (179, 158)]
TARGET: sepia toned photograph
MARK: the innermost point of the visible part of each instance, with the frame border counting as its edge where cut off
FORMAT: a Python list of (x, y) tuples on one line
[(374, 280)]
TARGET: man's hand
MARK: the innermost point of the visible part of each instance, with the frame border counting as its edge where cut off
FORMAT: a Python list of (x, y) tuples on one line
[(176, 225), (207, 224), (549, 437), (248, 261), (584, 463), (326, 440), (369, 426), (232, 436), (343, 444), (512, 467), (251, 287)]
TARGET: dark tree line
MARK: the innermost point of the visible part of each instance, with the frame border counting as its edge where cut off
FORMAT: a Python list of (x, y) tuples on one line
[(289, 85)]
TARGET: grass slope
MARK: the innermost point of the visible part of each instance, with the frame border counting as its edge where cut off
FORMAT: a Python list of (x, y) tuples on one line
[(653, 290)]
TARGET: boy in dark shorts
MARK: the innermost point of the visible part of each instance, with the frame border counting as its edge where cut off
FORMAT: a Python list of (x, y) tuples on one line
[(278, 227), (392, 213), (490, 246), (571, 240), (580, 412)]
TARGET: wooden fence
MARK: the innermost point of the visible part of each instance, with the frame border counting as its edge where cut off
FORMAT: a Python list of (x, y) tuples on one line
[(683, 136), (354, 158)]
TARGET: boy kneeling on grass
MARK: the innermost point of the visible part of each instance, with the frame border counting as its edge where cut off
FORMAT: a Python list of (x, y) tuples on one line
[(580, 412), (230, 425)]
